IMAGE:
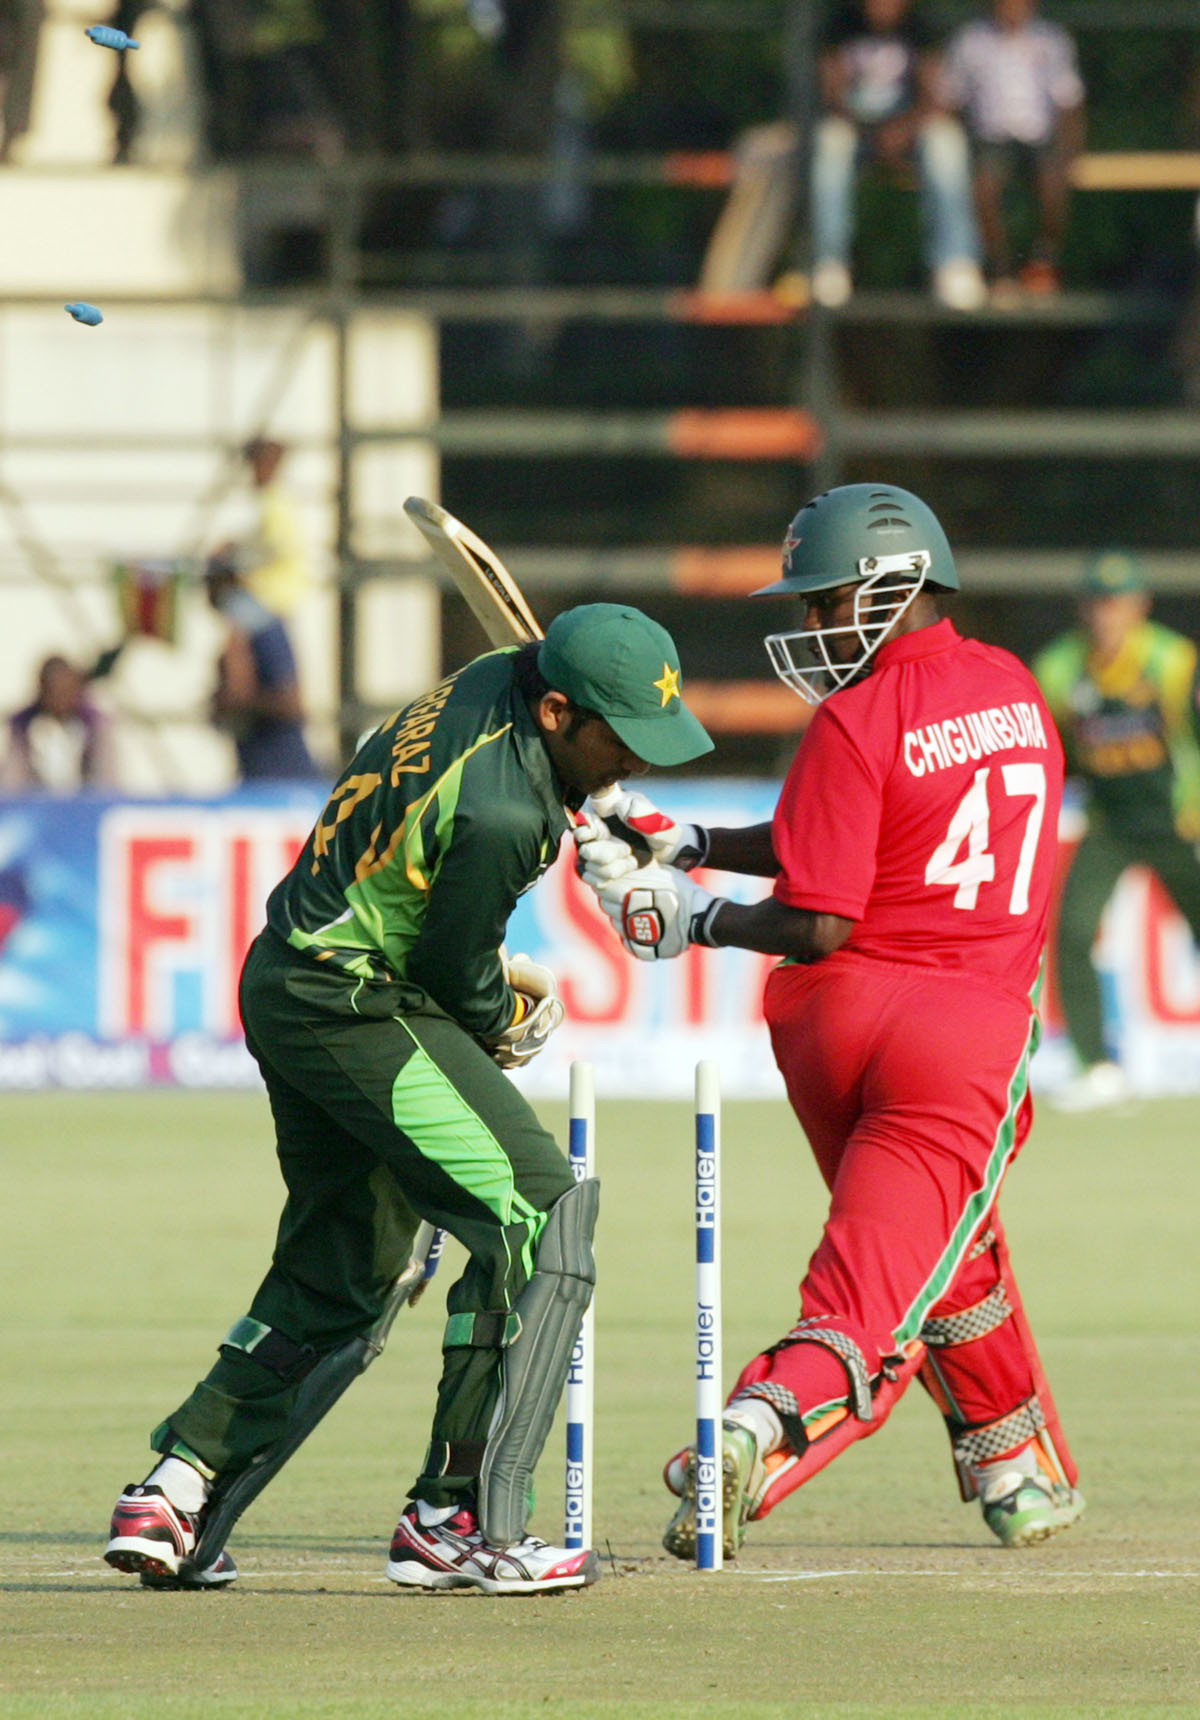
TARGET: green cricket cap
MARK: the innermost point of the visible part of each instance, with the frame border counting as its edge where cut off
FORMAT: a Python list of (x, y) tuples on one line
[(614, 660), (1113, 573)]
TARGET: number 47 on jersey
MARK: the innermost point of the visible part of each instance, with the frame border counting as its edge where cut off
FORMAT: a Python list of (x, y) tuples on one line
[(970, 828)]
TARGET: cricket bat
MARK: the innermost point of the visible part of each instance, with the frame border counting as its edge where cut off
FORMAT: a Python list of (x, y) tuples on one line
[(481, 577)]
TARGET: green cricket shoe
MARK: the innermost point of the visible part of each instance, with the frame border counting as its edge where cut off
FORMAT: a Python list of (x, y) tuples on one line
[(742, 1478), (1023, 1509)]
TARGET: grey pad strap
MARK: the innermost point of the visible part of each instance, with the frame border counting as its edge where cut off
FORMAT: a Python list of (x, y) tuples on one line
[(534, 1365), (784, 1403)]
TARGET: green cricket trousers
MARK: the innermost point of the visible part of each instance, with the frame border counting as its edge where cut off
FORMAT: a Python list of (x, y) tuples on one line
[(386, 1112), (1099, 861)]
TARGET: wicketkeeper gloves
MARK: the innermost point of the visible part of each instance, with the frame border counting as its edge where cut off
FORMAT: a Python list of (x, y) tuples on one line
[(539, 1012)]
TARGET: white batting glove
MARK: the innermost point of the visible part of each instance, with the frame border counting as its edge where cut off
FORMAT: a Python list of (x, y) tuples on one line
[(658, 911), (652, 835), (601, 857), (537, 987)]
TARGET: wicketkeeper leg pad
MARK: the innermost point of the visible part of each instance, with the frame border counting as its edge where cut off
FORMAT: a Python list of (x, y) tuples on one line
[(322, 1380), (535, 1362)]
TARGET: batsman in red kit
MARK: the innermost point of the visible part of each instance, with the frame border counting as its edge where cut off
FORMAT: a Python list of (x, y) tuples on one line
[(912, 850)]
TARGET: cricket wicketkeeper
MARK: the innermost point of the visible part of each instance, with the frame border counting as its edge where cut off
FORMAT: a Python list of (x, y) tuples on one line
[(382, 1011), (912, 851)]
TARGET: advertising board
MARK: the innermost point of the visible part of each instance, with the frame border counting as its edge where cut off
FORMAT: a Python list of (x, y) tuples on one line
[(123, 925)]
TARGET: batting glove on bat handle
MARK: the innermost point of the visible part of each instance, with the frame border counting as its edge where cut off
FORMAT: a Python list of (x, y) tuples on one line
[(600, 857), (658, 911), (652, 835)]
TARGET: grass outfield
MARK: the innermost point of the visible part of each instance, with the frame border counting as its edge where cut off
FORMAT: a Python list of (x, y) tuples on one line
[(134, 1227)]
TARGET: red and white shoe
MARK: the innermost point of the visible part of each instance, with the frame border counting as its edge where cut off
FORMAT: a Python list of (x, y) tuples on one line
[(157, 1539), (454, 1555)]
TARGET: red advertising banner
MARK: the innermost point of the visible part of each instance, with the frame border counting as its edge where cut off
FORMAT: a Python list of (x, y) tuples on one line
[(123, 926)]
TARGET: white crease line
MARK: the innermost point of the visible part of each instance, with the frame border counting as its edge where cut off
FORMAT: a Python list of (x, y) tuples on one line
[(324, 1575), (748, 1576), (957, 1575)]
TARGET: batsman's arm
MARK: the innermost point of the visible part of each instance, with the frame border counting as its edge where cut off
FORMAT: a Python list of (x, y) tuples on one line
[(652, 835), (774, 929), (747, 850), (657, 911)]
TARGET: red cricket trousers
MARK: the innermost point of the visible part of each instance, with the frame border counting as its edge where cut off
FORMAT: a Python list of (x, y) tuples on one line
[(911, 1086)]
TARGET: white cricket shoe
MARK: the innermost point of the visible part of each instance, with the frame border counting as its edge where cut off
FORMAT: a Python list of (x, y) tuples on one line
[(744, 1480), (1100, 1085), (151, 1536), (454, 1555), (1021, 1509)]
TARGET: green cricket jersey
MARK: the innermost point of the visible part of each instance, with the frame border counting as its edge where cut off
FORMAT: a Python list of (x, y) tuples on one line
[(446, 814), (1129, 727)]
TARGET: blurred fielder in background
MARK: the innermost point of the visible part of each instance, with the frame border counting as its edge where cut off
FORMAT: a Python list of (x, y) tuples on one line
[(381, 1009), (1123, 692), (913, 852)]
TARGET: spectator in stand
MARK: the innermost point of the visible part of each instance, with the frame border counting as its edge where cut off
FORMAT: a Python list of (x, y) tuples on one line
[(267, 70), (312, 78), (1186, 345), (1015, 77), (879, 78), (1123, 692), (257, 698), (60, 743), (20, 25), (272, 560)]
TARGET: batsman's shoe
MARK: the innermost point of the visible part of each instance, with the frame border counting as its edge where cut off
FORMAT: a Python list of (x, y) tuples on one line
[(744, 1477), (454, 1555), (150, 1535), (1022, 1509)]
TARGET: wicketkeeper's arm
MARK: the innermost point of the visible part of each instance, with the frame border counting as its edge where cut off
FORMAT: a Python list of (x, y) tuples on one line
[(491, 855), (538, 1012)]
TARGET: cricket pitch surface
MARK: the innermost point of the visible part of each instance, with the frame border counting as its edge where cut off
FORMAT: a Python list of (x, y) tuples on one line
[(136, 1227)]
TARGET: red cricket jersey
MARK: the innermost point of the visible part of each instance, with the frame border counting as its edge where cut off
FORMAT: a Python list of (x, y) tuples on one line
[(923, 804)]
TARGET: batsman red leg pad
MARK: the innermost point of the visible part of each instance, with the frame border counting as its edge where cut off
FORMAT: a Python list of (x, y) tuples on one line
[(1056, 1439), (983, 1370), (783, 1377)]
